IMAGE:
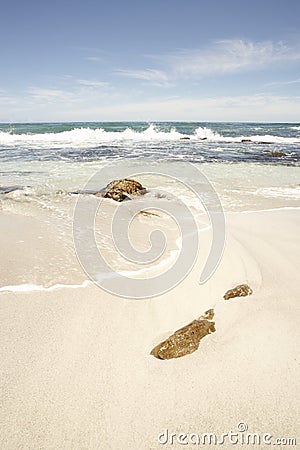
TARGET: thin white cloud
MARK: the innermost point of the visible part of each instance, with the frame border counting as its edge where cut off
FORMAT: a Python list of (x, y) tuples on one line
[(93, 84), (233, 108), (228, 56), (39, 93), (255, 108), (153, 76), (7, 99), (283, 83), (80, 90), (96, 59), (93, 58), (221, 57)]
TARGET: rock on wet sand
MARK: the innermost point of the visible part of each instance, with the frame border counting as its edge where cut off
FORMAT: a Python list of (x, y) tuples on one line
[(186, 340)]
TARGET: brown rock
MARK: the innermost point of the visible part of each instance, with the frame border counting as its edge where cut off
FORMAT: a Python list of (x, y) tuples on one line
[(117, 194), (242, 290), (185, 340), (120, 190), (126, 185), (185, 138), (277, 154)]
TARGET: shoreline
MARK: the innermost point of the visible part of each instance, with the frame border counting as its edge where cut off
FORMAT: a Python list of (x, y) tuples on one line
[(13, 225)]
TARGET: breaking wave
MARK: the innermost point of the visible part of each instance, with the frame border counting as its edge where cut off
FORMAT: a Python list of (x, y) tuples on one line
[(88, 137)]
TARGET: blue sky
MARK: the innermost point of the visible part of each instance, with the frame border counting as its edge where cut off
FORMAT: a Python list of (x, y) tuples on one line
[(161, 60)]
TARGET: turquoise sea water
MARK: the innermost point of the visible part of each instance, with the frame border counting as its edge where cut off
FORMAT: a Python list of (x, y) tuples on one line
[(252, 165), (208, 142), (43, 167)]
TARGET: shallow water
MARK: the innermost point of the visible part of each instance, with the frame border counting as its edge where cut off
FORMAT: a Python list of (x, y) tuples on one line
[(44, 165), (251, 166)]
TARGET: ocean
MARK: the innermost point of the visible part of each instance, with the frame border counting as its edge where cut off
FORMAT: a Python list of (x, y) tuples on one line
[(251, 165), (194, 142)]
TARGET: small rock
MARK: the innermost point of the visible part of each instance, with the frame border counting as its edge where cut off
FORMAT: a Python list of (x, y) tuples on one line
[(186, 340), (242, 290), (148, 213), (246, 140), (277, 154), (185, 138)]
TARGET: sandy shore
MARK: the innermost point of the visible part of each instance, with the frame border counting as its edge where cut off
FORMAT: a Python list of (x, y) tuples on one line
[(75, 366)]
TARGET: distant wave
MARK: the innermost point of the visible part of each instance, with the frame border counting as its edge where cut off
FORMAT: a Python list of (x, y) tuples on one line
[(210, 135), (85, 136), (89, 137)]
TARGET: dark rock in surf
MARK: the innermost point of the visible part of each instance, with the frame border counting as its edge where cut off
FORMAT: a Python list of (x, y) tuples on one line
[(276, 154), (117, 194), (186, 340), (246, 140), (127, 185), (121, 190), (242, 290), (185, 138)]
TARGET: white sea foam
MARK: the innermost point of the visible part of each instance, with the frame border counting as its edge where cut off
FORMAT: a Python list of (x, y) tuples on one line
[(284, 192), (89, 137), (254, 211), (207, 134), (26, 287), (204, 133), (167, 261)]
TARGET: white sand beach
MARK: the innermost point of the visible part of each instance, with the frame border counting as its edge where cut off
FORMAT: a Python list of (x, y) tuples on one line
[(76, 370)]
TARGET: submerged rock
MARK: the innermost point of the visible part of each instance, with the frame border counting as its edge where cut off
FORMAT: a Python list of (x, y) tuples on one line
[(185, 138), (242, 290), (186, 340), (277, 154), (120, 190)]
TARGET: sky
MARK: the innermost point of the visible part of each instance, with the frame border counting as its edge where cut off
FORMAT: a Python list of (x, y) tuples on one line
[(164, 60)]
